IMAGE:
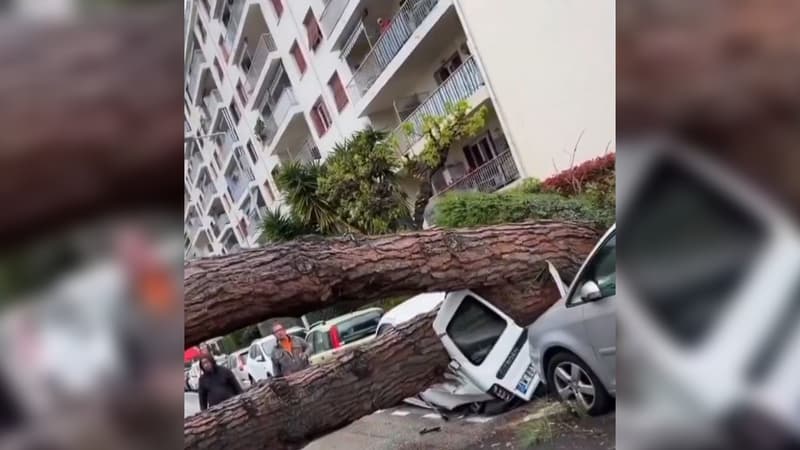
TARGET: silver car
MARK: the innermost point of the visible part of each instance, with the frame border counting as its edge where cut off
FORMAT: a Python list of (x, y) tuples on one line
[(573, 344)]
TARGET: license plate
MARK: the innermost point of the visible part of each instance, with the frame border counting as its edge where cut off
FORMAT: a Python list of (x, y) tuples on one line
[(525, 381)]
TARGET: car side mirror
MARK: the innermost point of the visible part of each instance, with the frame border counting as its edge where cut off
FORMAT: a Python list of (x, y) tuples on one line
[(590, 291)]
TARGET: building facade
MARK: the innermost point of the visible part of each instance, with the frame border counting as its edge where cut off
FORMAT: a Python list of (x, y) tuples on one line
[(270, 81)]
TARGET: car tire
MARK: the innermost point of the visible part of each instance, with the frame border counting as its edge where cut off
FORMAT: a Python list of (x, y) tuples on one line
[(576, 392)]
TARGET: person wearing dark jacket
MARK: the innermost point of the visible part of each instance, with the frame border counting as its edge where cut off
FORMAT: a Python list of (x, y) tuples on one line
[(216, 384)]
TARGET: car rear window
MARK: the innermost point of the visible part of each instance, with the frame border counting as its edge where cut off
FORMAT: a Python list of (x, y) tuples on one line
[(685, 248), (475, 329), (359, 327)]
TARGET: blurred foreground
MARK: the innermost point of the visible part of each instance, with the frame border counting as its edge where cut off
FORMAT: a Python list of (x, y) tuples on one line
[(708, 200), (90, 256)]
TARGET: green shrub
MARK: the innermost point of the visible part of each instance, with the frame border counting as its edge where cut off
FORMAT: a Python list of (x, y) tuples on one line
[(469, 209)]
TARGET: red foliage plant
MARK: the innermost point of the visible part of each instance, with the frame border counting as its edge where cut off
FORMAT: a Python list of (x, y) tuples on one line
[(575, 179)]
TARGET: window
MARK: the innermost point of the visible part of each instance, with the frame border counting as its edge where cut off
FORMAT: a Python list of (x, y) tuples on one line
[(320, 117), (480, 152), (602, 269), (246, 61), (234, 112), (270, 194), (447, 69), (251, 151), (218, 68), (312, 30), (320, 341), (278, 7), (299, 59), (359, 327), (685, 272), (201, 29), (339, 94), (268, 346), (241, 92), (475, 329)]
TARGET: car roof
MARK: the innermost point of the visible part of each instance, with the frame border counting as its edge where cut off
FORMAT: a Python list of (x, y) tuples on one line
[(327, 324), (419, 304)]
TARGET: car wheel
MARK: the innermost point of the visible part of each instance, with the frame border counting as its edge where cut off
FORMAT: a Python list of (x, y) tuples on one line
[(576, 384)]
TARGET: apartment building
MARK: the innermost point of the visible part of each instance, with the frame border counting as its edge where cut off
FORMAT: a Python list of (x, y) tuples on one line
[(270, 81)]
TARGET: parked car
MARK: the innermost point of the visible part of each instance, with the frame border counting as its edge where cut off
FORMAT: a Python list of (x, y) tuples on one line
[(193, 380), (259, 356), (574, 343), (237, 362), (332, 336), (456, 390)]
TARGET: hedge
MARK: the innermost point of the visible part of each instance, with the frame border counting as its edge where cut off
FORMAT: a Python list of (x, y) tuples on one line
[(469, 209)]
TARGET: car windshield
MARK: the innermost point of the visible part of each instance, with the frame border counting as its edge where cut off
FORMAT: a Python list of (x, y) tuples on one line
[(475, 329), (359, 327), (267, 347), (684, 271)]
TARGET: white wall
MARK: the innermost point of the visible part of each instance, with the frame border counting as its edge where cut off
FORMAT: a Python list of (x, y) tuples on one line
[(550, 65)]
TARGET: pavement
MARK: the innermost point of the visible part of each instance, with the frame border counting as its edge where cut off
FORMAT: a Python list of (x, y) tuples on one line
[(542, 425), (410, 428)]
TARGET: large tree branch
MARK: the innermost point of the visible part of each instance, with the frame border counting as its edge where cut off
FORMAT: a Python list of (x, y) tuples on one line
[(226, 293)]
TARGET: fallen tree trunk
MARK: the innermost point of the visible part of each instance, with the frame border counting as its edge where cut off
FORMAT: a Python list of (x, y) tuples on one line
[(506, 267), (223, 294), (288, 412)]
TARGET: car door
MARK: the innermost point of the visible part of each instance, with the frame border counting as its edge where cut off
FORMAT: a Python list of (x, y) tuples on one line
[(594, 293), (258, 364), (486, 346)]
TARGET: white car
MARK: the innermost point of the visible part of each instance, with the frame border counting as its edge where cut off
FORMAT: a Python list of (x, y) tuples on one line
[(194, 376), (237, 362), (456, 390), (259, 356)]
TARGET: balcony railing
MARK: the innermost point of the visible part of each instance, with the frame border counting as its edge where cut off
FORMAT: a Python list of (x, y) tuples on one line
[(280, 110), (306, 153), (255, 216), (460, 85), (402, 26), (489, 177), (194, 69), (219, 223), (331, 15), (208, 195), (233, 24), (212, 101), (266, 45)]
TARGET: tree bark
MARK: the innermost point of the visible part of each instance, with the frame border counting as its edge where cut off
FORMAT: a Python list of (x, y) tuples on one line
[(225, 293), (286, 413), (90, 120)]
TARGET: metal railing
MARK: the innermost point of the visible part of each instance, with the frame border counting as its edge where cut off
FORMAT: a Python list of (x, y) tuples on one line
[(491, 176), (306, 153), (219, 223), (460, 85), (266, 45), (402, 26), (233, 23), (212, 101), (255, 216), (331, 15), (194, 70), (285, 102)]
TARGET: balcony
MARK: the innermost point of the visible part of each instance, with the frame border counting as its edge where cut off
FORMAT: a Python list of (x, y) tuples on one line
[(276, 113), (265, 47), (306, 153), (402, 26), (331, 15), (491, 176), (208, 193), (225, 144), (194, 70), (238, 176), (460, 85), (219, 222), (212, 102), (231, 29)]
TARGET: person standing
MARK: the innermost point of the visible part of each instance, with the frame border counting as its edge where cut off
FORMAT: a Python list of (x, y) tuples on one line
[(290, 354), (216, 384)]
